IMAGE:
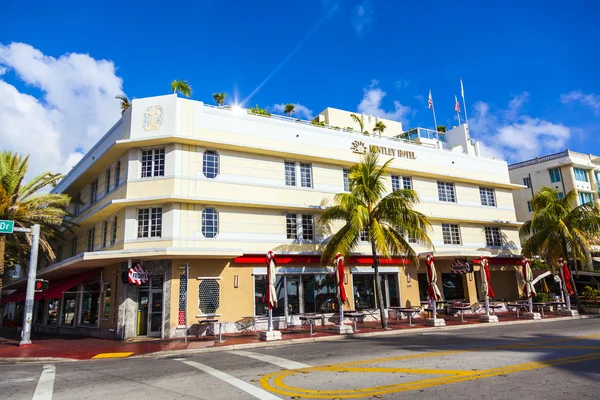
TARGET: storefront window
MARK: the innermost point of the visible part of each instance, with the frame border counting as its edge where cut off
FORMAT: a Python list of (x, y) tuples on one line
[(325, 293), (364, 292), (423, 285), (107, 300), (69, 305), (453, 287), (39, 312), (90, 303), (392, 290), (52, 307), (260, 295)]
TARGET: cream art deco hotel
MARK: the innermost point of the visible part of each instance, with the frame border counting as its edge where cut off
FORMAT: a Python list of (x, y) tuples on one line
[(178, 183)]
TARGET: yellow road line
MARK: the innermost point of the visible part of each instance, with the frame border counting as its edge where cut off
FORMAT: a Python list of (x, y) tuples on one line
[(113, 355), (416, 371)]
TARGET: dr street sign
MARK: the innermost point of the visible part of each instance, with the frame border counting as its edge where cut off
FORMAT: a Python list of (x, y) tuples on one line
[(6, 226)]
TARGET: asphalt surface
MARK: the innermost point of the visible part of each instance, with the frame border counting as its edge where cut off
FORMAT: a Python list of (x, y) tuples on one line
[(553, 360)]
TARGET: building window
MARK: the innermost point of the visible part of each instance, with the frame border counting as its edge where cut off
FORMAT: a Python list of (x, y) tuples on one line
[(106, 300), (493, 237), (118, 174), (90, 303), (209, 296), (52, 311), (452, 287), (401, 182), (412, 239), (451, 234), (261, 285), (305, 175), (487, 196), (560, 195), (529, 206), (150, 222), (346, 173), (74, 246), (307, 227), (446, 192), (153, 163), (581, 175), (105, 228), (291, 226), (585, 198), (364, 235), (527, 182), (113, 236), (210, 223), (210, 164), (90, 239), (94, 191), (69, 306), (554, 175), (38, 317), (107, 182), (290, 173)]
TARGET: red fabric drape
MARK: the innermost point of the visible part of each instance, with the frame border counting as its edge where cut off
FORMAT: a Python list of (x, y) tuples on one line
[(567, 278), (340, 277)]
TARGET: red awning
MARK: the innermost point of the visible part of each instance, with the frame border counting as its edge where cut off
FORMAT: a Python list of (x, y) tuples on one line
[(501, 261), (55, 288), (283, 259)]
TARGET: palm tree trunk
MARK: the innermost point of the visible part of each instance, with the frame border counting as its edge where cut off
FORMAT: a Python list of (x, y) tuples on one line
[(378, 292), (575, 293), (2, 248)]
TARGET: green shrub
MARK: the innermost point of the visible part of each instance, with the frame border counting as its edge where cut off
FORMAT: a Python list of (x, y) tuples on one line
[(540, 298), (259, 111)]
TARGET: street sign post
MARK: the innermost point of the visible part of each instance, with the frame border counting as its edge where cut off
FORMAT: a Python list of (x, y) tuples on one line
[(6, 226)]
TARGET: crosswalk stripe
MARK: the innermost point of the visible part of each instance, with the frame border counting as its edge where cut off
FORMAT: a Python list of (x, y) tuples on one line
[(280, 362), (45, 385), (233, 381)]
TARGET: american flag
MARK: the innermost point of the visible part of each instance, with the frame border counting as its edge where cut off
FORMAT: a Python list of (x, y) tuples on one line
[(456, 105), (430, 101)]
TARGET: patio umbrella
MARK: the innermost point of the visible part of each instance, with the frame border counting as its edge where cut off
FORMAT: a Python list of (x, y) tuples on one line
[(432, 289), (565, 276), (528, 289), (486, 287), (271, 292), (339, 281)]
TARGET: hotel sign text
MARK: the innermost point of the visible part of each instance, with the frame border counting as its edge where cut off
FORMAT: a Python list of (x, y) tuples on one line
[(360, 148)]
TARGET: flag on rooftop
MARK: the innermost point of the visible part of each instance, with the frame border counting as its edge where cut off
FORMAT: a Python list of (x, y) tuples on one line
[(430, 101), (456, 105)]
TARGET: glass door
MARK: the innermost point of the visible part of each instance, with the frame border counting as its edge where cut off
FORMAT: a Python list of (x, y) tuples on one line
[(308, 286), (293, 294), (156, 307), (142, 320)]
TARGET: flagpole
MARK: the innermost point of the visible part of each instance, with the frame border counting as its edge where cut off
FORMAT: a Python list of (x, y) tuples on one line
[(433, 110), (462, 91), (457, 109)]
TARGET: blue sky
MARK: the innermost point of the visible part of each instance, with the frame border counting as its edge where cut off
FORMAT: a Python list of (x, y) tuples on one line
[(529, 67)]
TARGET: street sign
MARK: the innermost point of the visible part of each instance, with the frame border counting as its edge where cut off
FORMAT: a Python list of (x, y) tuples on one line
[(6, 226)]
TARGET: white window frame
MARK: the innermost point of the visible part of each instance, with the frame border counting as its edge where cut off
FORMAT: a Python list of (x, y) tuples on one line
[(290, 166), (107, 178), (91, 238), (117, 173), (105, 228), (363, 235), (527, 182), (217, 157), (297, 222), (216, 219), (446, 192), (94, 191), (312, 226), (400, 182), (487, 195), (155, 154), (113, 233), (301, 175), (490, 236), (346, 178), (151, 223), (291, 227), (453, 230)]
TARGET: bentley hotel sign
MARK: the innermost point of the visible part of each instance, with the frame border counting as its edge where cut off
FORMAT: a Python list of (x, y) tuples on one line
[(359, 147)]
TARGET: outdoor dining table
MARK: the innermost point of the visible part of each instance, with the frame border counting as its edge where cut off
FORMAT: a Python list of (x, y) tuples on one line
[(461, 307), (354, 315), (557, 304), (310, 318), (493, 307), (208, 321), (409, 311), (540, 307), (517, 306)]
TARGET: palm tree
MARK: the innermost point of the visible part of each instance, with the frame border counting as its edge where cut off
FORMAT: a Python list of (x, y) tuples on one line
[(20, 202), (379, 127), (359, 121), (384, 217), (441, 128), (558, 228), (219, 98), (125, 104), (182, 87), (289, 109)]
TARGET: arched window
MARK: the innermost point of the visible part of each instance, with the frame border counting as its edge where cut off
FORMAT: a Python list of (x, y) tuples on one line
[(210, 223), (210, 164)]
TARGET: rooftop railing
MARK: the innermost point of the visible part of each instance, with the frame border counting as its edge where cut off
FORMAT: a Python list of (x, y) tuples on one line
[(422, 133), (538, 160)]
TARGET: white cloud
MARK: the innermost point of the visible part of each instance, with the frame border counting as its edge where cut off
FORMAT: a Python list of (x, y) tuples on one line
[(363, 17), (2, 70), (400, 83), (591, 100), (512, 135), (300, 111), (76, 106), (371, 104)]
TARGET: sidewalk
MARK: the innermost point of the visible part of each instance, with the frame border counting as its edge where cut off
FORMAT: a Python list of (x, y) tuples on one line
[(67, 348)]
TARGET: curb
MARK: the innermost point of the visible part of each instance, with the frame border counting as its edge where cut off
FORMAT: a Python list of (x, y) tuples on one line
[(397, 332)]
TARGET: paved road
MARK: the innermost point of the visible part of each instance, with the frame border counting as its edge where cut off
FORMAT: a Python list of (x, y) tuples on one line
[(553, 360)]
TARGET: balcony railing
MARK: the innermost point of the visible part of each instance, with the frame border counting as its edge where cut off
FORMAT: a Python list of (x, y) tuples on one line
[(538, 160)]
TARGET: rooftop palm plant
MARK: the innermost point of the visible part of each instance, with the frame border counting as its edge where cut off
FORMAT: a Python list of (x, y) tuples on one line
[(385, 218), (359, 121), (379, 127), (21, 202), (289, 109), (181, 86), (125, 104), (558, 229), (219, 98)]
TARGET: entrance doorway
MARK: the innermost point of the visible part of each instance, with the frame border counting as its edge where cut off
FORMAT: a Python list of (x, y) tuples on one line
[(150, 308)]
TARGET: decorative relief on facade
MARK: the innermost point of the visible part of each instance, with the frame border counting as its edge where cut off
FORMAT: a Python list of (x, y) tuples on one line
[(153, 118)]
